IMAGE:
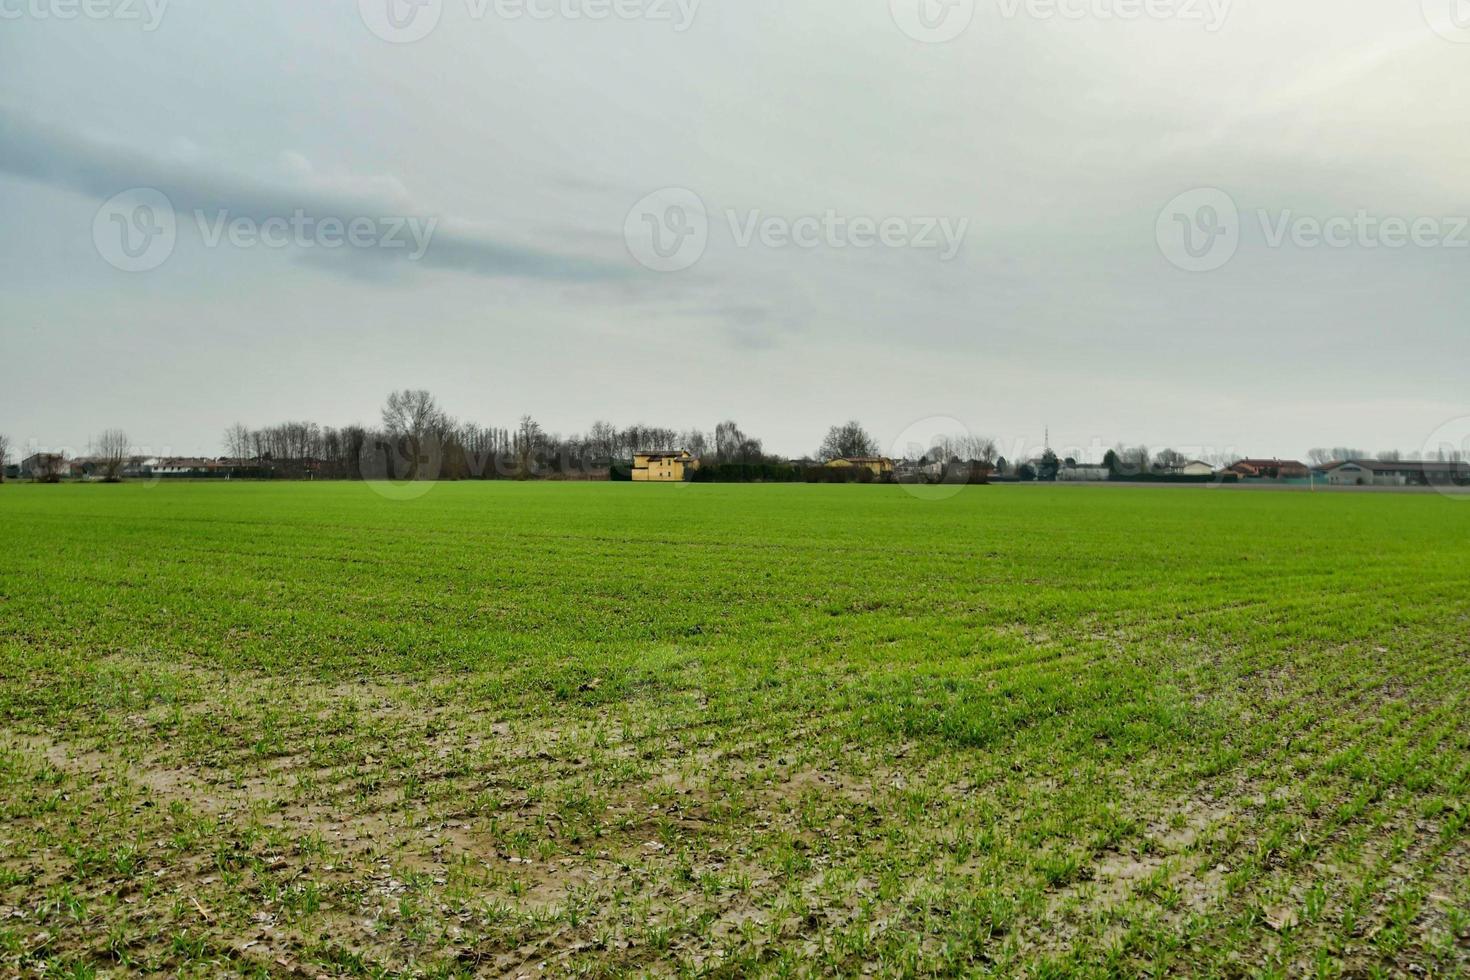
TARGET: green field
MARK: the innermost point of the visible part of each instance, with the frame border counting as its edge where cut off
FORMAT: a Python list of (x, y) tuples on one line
[(300, 729)]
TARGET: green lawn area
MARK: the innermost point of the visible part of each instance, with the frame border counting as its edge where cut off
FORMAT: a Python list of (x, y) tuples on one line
[(552, 729)]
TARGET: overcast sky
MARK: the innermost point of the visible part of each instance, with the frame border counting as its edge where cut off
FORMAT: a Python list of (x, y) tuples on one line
[(997, 233)]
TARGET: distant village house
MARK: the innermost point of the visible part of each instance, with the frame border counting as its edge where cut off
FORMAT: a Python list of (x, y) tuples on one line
[(664, 467), (877, 465), (1270, 469), (39, 466)]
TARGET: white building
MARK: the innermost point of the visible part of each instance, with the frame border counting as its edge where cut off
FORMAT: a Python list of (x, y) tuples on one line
[(1084, 473)]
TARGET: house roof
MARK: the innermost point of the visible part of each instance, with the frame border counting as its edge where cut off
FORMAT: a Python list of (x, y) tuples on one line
[(1410, 466), (1259, 463)]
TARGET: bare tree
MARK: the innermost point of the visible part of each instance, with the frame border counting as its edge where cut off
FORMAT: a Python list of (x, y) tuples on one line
[(695, 441), (970, 449), (846, 441), (49, 468), (416, 426), (1169, 459), (982, 449), (1127, 461), (734, 446), (602, 440), (111, 449), (237, 441), (4, 454), (1219, 460), (413, 413), (940, 449), (652, 437), (1391, 455), (528, 439)]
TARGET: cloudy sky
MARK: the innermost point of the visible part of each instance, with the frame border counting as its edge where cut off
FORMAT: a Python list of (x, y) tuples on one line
[(1226, 226)]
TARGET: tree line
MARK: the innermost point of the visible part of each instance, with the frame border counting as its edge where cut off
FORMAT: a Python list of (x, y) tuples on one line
[(418, 439)]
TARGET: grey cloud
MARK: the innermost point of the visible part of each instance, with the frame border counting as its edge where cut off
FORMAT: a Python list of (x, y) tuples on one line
[(36, 151)]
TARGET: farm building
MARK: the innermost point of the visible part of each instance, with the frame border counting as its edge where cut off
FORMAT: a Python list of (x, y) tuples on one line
[(663, 467), (38, 465), (1397, 473), (83, 467), (878, 465), (1084, 473), (181, 466), (953, 471)]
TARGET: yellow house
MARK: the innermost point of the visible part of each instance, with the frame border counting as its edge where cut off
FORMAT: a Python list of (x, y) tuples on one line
[(663, 467), (878, 465)]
